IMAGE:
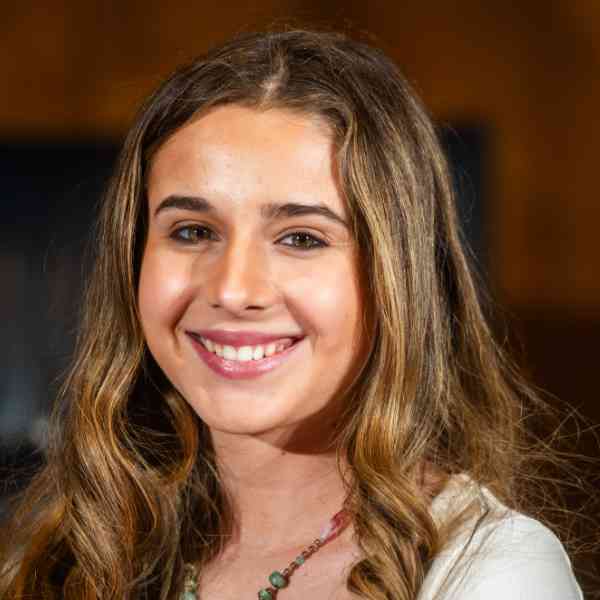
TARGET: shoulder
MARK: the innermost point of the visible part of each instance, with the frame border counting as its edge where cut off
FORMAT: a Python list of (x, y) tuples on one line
[(498, 554)]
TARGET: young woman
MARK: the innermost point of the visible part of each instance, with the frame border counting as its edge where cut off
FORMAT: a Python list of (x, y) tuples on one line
[(281, 335)]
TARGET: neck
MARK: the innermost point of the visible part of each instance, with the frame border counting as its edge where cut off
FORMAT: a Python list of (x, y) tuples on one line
[(282, 495)]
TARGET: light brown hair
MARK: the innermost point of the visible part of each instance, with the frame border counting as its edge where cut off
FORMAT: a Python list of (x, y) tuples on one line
[(130, 492)]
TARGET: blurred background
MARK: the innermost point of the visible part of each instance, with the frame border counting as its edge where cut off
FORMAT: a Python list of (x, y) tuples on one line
[(514, 87)]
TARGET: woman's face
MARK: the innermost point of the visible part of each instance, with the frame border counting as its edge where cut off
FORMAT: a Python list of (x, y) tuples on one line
[(248, 252)]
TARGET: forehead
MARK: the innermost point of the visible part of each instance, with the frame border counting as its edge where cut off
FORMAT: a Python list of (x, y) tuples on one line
[(234, 151)]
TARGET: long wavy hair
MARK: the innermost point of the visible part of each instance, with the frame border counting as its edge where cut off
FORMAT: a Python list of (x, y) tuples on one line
[(130, 491)]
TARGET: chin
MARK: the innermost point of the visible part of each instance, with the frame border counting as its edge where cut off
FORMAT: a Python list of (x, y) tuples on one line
[(250, 421)]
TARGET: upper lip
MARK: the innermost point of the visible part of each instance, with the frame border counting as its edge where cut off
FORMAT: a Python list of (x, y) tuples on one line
[(242, 338)]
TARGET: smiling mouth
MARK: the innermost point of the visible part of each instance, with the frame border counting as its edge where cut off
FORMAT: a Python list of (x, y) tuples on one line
[(245, 353), (244, 365)]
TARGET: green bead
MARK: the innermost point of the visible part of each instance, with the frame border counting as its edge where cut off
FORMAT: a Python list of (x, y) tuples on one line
[(299, 560), (277, 579), (265, 595), (188, 596)]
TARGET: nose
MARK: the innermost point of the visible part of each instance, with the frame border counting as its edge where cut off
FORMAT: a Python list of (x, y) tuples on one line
[(238, 279)]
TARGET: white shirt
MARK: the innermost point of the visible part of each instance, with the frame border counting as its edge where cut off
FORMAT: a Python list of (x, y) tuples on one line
[(510, 556)]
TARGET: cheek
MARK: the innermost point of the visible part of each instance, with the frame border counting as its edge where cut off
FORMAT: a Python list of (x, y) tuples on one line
[(161, 293), (329, 304)]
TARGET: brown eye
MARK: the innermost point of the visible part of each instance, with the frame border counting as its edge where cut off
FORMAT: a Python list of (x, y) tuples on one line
[(304, 241), (192, 234)]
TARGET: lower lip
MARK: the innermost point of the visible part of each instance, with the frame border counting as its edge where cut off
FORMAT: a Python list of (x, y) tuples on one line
[(237, 369)]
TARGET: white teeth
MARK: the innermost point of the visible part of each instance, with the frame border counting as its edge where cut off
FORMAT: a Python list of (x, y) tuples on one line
[(246, 353), (229, 353)]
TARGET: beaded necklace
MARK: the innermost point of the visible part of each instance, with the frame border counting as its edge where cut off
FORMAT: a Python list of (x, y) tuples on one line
[(277, 579)]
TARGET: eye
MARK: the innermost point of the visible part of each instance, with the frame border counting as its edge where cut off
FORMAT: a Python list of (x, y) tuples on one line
[(304, 241), (192, 234)]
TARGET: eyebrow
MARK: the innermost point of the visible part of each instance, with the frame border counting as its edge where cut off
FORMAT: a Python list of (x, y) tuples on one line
[(272, 211), (193, 203)]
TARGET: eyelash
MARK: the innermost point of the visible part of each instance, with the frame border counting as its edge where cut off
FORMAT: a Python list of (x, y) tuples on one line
[(316, 242)]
